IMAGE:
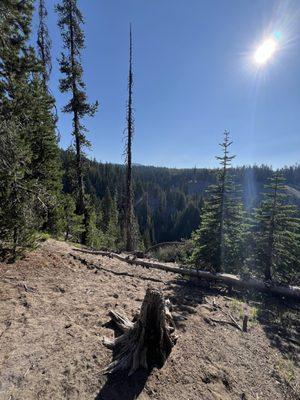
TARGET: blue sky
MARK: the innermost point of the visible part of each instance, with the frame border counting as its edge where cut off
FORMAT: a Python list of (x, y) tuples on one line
[(194, 77)]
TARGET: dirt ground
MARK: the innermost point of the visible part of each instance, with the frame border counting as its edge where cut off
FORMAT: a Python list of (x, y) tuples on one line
[(54, 314)]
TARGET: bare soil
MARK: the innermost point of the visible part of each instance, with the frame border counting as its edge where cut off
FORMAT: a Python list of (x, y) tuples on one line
[(54, 315)]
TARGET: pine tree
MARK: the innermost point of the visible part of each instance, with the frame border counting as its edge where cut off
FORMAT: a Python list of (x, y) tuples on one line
[(113, 233), (106, 208), (70, 22), (17, 58), (129, 211), (186, 222), (44, 43), (73, 226), (94, 237), (69, 179), (277, 233), (45, 161), (17, 197), (146, 221), (219, 241), (25, 108)]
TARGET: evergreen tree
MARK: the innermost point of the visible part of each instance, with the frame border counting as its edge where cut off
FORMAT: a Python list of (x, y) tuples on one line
[(45, 161), (277, 233), (219, 241), (95, 237), (73, 226), (113, 233), (44, 43), (16, 194), (17, 58), (129, 211), (146, 221), (70, 22), (106, 207), (25, 107), (69, 180), (186, 222)]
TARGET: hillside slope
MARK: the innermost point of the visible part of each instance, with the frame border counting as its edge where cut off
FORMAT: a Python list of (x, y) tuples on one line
[(53, 317)]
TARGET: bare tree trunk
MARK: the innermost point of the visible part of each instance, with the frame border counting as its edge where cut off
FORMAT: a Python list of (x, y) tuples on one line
[(129, 242), (270, 248), (80, 204), (145, 343), (80, 200)]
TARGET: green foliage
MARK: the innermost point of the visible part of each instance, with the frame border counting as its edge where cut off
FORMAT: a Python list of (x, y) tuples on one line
[(179, 253), (72, 223), (219, 241), (276, 234), (17, 199), (113, 232), (95, 237), (30, 156), (70, 23), (44, 43), (168, 204)]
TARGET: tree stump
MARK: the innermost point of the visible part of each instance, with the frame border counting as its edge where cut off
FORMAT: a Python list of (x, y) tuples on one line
[(147, 341)]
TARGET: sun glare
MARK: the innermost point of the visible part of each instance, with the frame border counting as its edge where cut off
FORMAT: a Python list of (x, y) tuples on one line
[(265, 51)]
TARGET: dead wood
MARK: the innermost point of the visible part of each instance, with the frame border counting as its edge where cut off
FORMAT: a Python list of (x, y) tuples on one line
[(117, 273), (245, 323), (223, 279), (221, 321), (145, 343), (227, 314)]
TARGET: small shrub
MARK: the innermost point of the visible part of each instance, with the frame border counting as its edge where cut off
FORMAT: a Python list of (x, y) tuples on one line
[(174, 253)]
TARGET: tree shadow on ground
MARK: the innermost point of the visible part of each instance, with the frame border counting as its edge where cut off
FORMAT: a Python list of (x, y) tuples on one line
[(186, 295), (120, 386), (280, 319)]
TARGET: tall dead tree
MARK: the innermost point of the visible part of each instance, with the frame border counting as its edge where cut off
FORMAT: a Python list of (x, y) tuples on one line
[(145, 342), (70, 22), (129, 239), (44, 43)]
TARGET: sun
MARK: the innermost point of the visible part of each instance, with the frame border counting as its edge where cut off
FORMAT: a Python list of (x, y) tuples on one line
[(265, 51)]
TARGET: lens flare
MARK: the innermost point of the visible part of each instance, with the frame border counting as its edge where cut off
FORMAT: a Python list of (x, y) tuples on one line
[(265, 51)]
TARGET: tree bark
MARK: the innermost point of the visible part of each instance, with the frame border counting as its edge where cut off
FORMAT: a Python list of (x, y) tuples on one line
[(145, 343), (225, 279), (129, 241)]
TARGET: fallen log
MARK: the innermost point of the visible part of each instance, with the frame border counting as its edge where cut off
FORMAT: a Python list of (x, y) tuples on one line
[(222, 278), (145, 343)]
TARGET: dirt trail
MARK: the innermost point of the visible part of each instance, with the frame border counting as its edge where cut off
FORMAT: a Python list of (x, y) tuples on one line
[(53, 315)]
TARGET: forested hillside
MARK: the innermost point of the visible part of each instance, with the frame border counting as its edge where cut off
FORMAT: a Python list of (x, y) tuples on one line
[(197, 270), (241, 220), (168, 201)]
